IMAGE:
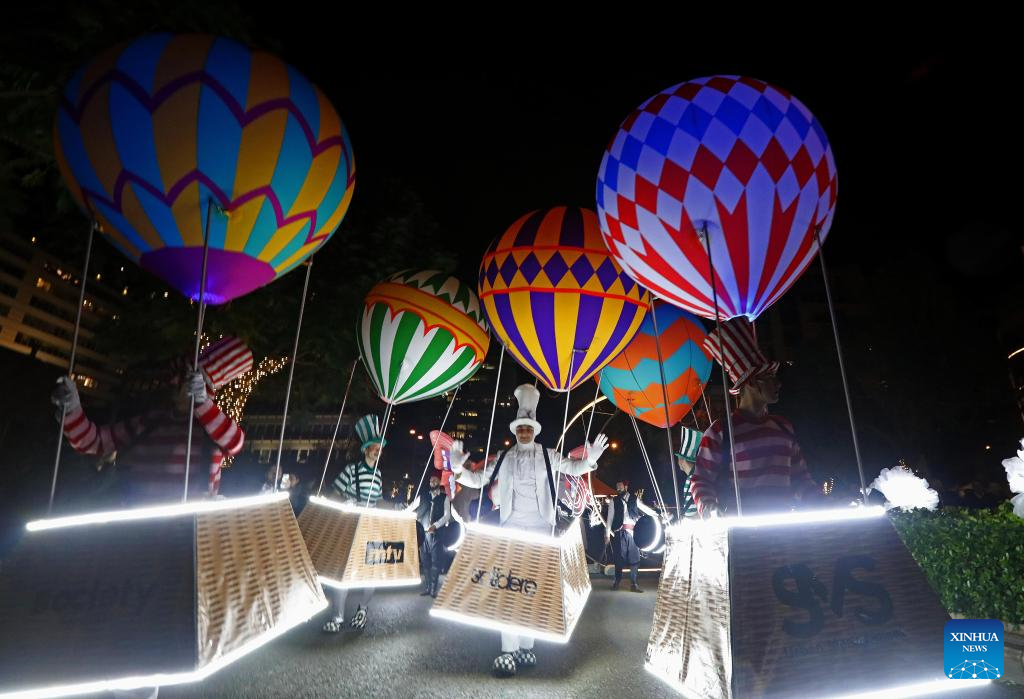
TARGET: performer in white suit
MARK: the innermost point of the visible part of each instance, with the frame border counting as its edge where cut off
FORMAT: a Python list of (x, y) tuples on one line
[(526, 475)]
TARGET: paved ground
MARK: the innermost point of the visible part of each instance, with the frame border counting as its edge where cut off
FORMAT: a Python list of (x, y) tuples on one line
[(405, 653)]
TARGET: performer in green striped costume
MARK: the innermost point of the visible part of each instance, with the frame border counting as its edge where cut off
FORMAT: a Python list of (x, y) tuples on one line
[(359, 483), (686, 457)]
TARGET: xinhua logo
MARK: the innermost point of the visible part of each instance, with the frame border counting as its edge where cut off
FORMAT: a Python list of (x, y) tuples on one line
[(973, 649)]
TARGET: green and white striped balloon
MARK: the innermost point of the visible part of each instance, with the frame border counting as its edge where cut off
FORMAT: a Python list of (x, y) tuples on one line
[(422, 333)]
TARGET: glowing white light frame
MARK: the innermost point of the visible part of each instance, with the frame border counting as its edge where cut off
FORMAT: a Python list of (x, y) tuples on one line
[(657, 536), (462, 532), (154, 512), (783, 519), (919, 689), (515, 629), (163, 680), (360, 510), (520, 535), (363, 584)]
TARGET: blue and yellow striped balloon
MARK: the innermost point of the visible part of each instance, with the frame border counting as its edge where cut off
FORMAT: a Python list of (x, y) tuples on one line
[(154, 134)]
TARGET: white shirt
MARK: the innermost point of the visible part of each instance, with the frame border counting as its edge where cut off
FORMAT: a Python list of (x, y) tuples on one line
[(525, 508)]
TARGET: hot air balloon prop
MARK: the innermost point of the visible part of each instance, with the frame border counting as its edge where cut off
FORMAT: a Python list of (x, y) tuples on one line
[(422, 333), (172, 136), (559, 303), (735, 158), (632, 381)]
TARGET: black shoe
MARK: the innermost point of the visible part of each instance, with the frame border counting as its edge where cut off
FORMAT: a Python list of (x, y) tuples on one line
[(525, 658), (615, 585), (635, 588), (426, 592), (505, 665)]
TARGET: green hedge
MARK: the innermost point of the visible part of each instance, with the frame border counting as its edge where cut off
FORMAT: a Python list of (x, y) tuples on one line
[(973, 558)]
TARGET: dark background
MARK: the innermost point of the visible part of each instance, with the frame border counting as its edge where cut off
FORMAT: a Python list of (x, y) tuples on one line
[(456, 134)]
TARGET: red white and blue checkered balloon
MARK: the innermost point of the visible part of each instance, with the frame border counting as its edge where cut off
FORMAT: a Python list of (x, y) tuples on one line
[(737, 157)]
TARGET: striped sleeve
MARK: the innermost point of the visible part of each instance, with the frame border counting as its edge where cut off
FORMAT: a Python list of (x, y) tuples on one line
[(706, 470), (344, 484), (86, 437), (224, 431)]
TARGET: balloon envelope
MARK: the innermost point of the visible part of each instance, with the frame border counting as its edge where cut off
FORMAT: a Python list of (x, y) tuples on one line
[(151, 133), (737, 157), (422, 333), (556, 299), (632, 381)]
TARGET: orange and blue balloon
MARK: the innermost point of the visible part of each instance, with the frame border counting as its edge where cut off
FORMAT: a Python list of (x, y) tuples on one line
[(156, 135), (633, 380)]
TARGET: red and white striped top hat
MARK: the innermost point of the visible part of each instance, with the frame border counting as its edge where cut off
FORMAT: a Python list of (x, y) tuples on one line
[(224, 361), (743, 358)]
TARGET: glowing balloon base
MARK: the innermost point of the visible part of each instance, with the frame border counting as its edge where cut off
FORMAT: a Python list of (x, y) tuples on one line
[(228, 275), (809, 604), (358, 547), (518, 582), (150, 596)]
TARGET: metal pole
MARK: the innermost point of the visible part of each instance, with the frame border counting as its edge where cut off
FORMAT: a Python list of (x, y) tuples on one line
[(71, 362), (337, 427), (199, 339), (490, 430), (291, 374), (664, 394), (725, 377), (842, 365)]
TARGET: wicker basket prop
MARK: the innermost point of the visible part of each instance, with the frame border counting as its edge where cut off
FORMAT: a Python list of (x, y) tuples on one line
[(820, 604), (353, 546), (524, 583), (151, 596)]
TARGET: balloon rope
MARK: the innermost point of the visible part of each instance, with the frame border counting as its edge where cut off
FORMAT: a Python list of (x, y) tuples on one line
[(383, 431), (586, 442), (199, 340), (433, 442), (664, 393), (337, 427), (725, 377), (647, 461), (71, 362), (490, 430), (565, 423), (707, 409), (842, 364), (291, 373)]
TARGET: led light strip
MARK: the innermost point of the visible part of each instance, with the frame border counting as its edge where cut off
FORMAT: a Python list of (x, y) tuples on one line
[(657, 536), (920, 689), (353, 584), (520, 535), (360, 510), (161, 680), (845, 514), (460, 618), (160, 511)]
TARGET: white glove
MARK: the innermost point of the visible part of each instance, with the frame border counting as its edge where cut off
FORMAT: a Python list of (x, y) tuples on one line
[(65, 395), (197, 387), (458, 456), (596, 448)]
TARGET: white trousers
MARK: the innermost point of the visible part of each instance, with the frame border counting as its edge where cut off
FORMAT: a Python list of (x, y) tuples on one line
[(510, 642)]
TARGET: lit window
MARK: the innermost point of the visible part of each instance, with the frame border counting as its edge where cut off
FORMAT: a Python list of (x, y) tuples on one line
[(42, 284), (87, 381), (124, 291)]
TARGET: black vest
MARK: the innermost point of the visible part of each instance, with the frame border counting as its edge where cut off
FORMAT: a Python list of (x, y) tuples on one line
[(437, 506), (617, 511)]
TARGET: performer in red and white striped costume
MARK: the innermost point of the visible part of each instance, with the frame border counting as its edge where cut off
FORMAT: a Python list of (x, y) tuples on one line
[(771, 469), (151, 447)]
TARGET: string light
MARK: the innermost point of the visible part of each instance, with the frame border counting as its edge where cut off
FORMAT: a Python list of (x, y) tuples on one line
[(232, 398)]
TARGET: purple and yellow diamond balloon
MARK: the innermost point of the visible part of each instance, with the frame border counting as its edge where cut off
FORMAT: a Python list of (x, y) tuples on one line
[(156, 134), (556, 299)]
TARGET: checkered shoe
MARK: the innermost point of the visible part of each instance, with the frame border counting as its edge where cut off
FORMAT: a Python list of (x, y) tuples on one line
[(358, 619), (335, 625), (505, 665), (525, 658)]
